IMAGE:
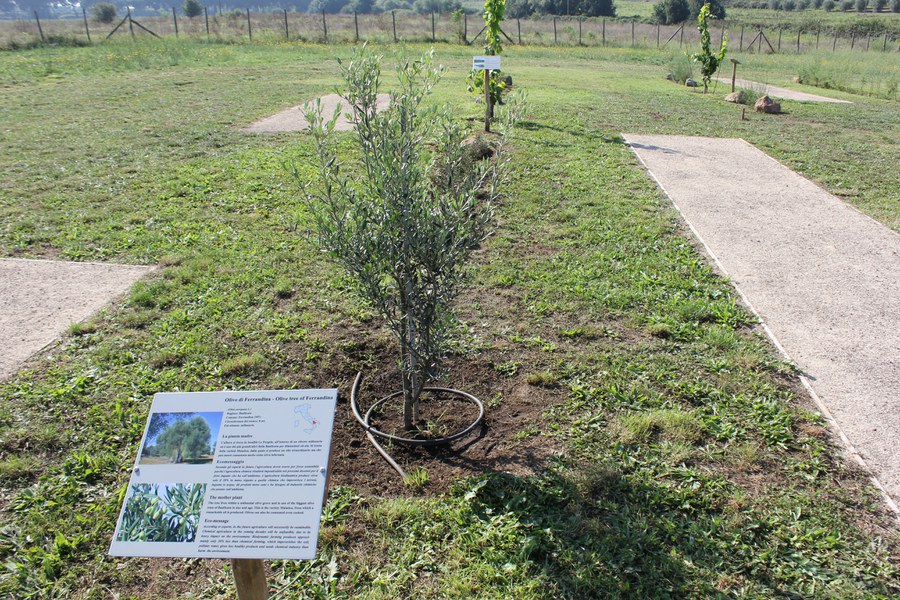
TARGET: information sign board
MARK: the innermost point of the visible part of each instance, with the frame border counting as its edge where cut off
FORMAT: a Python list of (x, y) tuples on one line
[(229, 475), (486, 63)]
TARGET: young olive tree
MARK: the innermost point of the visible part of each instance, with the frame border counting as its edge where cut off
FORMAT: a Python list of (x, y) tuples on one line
[(404, 220), (709, 62)]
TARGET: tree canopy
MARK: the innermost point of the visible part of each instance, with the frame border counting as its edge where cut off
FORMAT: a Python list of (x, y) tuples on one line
[(185, 439)]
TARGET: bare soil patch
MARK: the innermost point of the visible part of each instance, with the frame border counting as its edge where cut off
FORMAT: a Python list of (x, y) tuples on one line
[(40, 298), (294, 118)]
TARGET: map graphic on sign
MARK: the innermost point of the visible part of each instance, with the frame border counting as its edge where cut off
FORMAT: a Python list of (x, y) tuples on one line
[(303, 411)]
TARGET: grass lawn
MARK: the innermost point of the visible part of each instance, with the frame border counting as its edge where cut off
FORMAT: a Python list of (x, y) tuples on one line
[(673, 455)]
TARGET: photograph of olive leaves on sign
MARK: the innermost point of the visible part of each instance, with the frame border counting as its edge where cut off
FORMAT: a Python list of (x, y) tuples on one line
[(162, 513)]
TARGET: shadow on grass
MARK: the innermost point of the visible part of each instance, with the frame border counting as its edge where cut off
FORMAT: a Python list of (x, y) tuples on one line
[(594, 535), (579, 133)]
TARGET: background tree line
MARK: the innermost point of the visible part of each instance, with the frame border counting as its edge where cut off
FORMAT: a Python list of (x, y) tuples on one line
[(668, 12)]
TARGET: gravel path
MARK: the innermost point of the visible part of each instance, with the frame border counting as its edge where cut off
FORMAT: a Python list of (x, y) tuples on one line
[(824, 278), (779, 92), (40, 298), (293, 119)]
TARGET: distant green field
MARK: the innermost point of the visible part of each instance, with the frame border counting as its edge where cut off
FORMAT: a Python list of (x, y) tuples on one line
[(633, 8)]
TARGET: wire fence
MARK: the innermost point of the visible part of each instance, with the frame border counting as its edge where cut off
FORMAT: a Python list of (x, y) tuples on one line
[(405, 26)]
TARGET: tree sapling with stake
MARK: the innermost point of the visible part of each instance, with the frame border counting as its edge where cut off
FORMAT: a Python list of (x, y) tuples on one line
[(709, 62)]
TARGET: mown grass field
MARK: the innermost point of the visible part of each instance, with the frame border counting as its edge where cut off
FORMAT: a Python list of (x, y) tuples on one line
[(683, 459)]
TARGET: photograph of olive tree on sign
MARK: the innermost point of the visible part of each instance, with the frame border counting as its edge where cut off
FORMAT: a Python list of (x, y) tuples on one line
[(181, 438), (162, 512)]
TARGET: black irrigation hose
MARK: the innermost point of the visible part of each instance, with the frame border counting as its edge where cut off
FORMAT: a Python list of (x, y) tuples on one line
[(371, 432)]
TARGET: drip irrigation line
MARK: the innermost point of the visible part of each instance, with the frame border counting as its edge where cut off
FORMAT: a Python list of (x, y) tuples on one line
[(372, 433)]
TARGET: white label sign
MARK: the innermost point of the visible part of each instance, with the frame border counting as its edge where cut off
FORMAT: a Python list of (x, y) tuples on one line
[(486, 63), (229, 475)]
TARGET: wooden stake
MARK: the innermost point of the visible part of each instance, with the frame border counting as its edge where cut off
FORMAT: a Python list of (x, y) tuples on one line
[(355, 27), (519, 27), (206, 17), (175, 20), (40, 29), (632, 34), (432, 27), (130, 25), (250, 578), (741, 43), (87, 30), (116, 28), (799, 31), (604, 32), (145, 29), (287, 35), (487, 101), (554, 30), (734, 64), (249, 27), (324, 27), (394, 25)]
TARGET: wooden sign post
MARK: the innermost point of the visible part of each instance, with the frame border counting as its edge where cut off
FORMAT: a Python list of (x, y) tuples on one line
[(250, 578), (487, 64), (734, 64)]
